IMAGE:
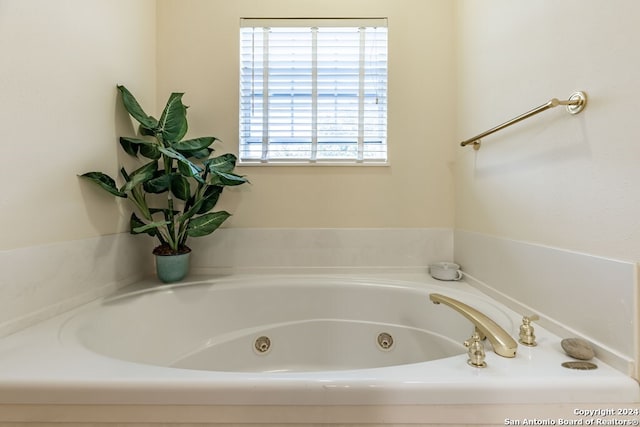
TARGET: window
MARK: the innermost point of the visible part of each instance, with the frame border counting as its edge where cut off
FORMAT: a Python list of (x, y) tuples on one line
[(313, 91)]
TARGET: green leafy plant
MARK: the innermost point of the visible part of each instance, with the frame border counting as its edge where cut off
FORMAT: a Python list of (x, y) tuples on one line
[(179, 176)]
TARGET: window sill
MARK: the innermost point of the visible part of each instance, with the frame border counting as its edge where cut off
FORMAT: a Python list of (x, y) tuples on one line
[(333, 163)]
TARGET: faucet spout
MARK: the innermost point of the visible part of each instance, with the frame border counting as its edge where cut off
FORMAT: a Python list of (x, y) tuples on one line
[(501, 341)]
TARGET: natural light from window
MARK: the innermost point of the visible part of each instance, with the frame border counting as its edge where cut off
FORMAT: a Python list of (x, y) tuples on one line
[(313, 91)]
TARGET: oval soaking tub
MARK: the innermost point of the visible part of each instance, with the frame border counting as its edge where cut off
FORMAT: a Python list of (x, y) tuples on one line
[(276, 325), (290, 340)]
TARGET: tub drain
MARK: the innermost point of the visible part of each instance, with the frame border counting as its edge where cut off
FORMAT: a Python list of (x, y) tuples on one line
[(385, 341), (262, 344)]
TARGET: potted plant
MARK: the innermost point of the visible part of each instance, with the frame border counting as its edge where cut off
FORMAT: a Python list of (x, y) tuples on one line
[(177, 187)]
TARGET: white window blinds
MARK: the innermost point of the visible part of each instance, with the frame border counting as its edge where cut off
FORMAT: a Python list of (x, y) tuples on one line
[(313, 91)]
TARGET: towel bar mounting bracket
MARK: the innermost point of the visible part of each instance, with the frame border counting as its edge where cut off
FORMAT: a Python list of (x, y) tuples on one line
[(577, 102)]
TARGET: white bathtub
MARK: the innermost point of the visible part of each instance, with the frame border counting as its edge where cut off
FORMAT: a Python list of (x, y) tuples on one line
[(195, 344)]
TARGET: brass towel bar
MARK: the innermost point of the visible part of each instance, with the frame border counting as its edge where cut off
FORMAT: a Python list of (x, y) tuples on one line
[(574, 104)]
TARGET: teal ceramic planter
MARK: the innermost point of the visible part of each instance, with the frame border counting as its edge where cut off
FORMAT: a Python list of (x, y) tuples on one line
[(172, 268)]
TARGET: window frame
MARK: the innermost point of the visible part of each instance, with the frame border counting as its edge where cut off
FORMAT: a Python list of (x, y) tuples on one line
[(364, 142)]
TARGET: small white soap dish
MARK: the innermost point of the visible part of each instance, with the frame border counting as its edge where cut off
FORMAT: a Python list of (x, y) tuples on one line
[(445, 271)]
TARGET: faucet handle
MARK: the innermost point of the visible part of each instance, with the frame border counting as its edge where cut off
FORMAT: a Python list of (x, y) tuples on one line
[(476, 351), (527, 335)]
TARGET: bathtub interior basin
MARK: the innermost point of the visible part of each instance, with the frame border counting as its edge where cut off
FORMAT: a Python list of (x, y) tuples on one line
[(282, 324)]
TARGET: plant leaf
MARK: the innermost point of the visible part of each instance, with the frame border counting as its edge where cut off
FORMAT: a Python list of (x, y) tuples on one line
[(185, 166), (180, 187), (150, 228), (198, 154), (224, 163), (206, 224), (190, 169), (230, 179), (137, 226), (140, 175), (195, 144), (104, 181), (135, 110), (146, 131), (173, 122), (129, 146), (204, 204), (209, 199), (148, 149), (221, 168), (157, 185)]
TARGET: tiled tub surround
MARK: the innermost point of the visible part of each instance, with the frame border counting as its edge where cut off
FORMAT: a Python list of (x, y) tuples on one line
[(575, 294), (56, 365)]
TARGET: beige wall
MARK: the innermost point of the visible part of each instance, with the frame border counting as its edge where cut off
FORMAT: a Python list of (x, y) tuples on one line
[(61, 61), (198, 54), (556, 179), (62, 118)]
